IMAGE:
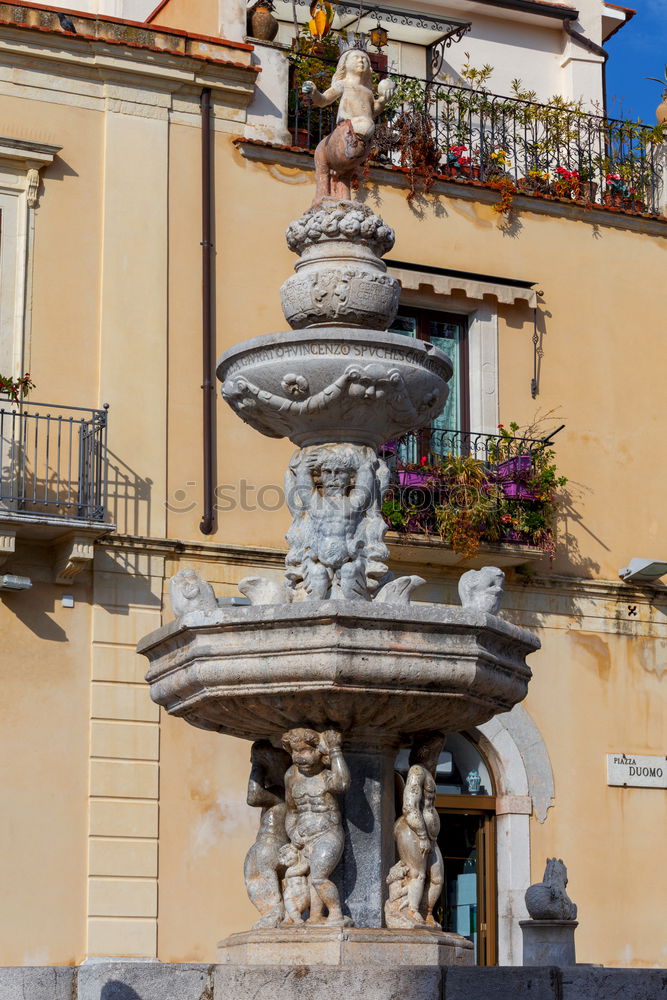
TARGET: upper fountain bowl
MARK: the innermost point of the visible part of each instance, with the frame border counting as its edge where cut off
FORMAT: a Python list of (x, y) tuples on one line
[(331, 384)]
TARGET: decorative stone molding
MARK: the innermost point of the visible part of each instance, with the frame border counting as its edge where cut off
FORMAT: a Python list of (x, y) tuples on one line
[(472, 288), (7, 545), (71, 556)]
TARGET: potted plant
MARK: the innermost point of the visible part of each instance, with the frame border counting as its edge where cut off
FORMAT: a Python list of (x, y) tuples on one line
[(16, 388), (616, 190), (661, 110)]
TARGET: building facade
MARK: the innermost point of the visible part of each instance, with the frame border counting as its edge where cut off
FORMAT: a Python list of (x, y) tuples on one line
[(124, 829)]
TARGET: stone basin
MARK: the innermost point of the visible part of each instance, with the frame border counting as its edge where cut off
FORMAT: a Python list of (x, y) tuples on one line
[(372, 671), (329, 384)]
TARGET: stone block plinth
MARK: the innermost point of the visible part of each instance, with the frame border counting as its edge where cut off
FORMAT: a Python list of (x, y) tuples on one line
[(548, 942), (343, 946)]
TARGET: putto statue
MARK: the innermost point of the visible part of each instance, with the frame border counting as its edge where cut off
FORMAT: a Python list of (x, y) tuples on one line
[(415, 881), (548, 900), (336, 537), (313, 822), (482, 589), (264, 865), (339, 155), (188, 592)]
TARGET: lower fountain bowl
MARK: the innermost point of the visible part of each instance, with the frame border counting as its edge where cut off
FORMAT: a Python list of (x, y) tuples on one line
[(369, 670), (328, 384)]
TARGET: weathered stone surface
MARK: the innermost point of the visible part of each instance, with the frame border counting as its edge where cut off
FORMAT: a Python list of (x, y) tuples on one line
[(501, 984), (313, 946), (307, 982), (330, 384), (374, 670), (548, 942), (416, 880), (482, 589), (613, 984), (339, 155), (142, 981), (334, 494), (368, 821), (548, 900), (37, 983)]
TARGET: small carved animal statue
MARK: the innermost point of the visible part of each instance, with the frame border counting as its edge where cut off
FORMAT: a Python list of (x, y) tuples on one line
[(548, 900), (188, 592), (482, 589)]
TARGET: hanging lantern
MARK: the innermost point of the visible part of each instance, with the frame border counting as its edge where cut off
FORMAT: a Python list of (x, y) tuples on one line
[(321, 19), (378, 36)]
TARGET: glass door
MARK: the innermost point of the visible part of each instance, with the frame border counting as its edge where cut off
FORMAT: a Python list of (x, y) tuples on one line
[(468, 902)]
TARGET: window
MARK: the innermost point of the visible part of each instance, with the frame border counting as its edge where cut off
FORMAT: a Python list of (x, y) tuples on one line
[(449, 333)]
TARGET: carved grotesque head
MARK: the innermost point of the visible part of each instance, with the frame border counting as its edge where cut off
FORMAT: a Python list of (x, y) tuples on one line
[(482, 589), (306, 750), (337, 471)]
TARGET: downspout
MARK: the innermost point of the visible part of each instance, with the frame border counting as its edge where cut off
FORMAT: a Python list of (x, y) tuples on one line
[(596, 50), (208, 384)]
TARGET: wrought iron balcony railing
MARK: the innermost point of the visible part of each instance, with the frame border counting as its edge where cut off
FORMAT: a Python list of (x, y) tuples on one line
[(550, 149), (469, 487), (53, 461)]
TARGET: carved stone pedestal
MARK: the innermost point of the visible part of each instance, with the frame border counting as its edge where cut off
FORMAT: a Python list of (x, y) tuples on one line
[(314, 946), (548, 942)]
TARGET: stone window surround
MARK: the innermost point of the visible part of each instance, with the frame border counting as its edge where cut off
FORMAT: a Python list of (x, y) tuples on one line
[(479, 302), (20, 163)]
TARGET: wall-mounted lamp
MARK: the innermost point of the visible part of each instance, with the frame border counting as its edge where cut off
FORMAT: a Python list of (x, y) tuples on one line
[(643, 571), (10, 582), (378, 36)]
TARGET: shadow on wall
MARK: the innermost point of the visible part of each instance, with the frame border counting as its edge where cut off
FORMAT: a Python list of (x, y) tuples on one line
[(129, 497), (115, 990)]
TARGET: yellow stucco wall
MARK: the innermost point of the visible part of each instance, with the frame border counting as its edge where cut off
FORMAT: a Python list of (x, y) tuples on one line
[(116, 313)]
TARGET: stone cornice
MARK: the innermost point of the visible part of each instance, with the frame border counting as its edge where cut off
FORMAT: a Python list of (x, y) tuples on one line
[(192, 63), (471, 190), (253, 556)]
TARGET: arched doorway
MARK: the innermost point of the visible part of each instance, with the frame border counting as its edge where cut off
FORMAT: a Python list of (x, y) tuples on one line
[(516, 781), (466, 804)]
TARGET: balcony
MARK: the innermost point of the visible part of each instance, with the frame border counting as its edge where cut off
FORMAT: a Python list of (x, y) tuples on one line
[(53, 481), (476, 497), (514, 144)]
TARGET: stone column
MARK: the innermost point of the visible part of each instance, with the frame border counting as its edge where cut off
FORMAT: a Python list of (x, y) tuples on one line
[(368, 817)]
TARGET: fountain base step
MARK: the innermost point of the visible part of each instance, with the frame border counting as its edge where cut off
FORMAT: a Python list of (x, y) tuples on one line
[(343, 946)]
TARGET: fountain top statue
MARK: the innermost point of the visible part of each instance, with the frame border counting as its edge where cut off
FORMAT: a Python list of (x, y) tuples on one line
[(339, 155)]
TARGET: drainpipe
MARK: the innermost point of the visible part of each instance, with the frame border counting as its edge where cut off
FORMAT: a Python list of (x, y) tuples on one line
[(208, 385)]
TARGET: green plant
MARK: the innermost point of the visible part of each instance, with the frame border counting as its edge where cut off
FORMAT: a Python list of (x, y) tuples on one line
[(468, 501), (16, 388), (662, 81)]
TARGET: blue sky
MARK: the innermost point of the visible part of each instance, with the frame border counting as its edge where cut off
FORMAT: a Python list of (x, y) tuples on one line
[(636, 51)]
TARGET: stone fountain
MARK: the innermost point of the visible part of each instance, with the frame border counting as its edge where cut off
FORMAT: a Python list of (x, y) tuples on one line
[(329, 671)]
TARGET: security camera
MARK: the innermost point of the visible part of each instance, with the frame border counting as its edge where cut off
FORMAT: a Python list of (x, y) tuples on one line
[(643, 571)]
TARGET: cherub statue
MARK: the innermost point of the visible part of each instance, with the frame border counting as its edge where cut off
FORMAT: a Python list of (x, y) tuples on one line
[(336, 538), (415, 881), (313, 822), (482, 589), (548, 900), (188, 592), (264, 866), (340, 154)]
